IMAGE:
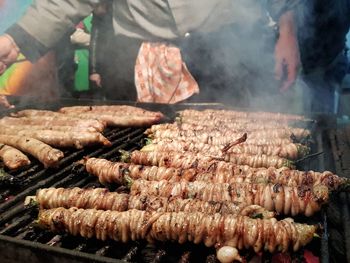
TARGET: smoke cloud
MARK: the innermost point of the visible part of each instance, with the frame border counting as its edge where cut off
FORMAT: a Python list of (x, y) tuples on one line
[(242, 61)]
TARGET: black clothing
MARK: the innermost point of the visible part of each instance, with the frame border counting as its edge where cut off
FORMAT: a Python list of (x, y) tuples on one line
[(323, 25)]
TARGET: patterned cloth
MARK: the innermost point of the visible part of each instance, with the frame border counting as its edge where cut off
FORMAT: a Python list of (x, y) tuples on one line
[(161, 76)]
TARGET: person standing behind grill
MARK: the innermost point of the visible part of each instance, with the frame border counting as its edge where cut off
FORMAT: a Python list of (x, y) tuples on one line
[(150, 33), (322, 36), (101, 46)]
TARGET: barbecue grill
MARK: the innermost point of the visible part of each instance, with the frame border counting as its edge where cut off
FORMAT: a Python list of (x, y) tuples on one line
[(21, 240)]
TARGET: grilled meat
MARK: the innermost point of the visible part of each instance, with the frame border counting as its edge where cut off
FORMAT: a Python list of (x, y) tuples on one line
[(253, 141), (240, 232), (187, 160), (241, 114), (110, 172), (55, 121), (31, 113), (231, 123), (120, 109), (62, 139), (102, 199), (114, 172), (13, 158), (290, 151), (43, 152), (51, 127), (222, 140), (233, 126), (274, 197), (122, 119), (231, 135), (115, 115)]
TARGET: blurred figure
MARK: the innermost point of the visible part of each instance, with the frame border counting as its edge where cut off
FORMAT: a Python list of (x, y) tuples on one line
[(40, 79), (323, 25), (159, 35), (31, 79), (101, 48), (81, 42)]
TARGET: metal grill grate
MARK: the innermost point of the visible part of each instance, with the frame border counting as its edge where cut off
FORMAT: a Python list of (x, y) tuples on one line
[(340, 143)]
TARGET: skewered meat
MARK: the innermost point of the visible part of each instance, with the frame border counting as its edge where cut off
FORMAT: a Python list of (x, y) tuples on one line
[(241, 114), (61, 138), (13, 158), (233, 126), (111, 172), (55, 121), (217, 138), (51, 127), (43, 152), (283, 176), (238, 124), (274, 197), (120, 109), (39, 113), (114, 172), (230, 123), (121, 119), (102, 199), (290, 151), (204, 135), (31, 113), (187, 160), (257, 161), (240, 232), (223, 142), (115, 115)]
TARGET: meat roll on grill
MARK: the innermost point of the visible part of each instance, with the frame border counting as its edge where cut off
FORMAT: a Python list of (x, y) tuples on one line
[(13, 158), (43, 152), (102, 199), (240, 232), (115, 172), (282, 199)]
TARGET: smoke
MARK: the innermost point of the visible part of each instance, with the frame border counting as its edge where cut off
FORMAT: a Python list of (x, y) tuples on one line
[(235, 65), (40, 85)]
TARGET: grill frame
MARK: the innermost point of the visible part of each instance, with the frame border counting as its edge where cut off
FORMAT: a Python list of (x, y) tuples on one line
[(13, 248)]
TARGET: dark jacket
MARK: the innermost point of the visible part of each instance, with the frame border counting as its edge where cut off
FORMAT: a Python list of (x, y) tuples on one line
[(323, 26)]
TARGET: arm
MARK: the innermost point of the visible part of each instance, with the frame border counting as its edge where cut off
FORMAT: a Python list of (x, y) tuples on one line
[(9, 52), (99, 22), (286, 49), (93, 64), (287, 52), (44, 24), (5, 103)]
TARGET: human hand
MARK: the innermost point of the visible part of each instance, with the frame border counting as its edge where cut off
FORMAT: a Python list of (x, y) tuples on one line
[(96, 78), (4, 102), (79, 37), (287, 54), (9, 52)]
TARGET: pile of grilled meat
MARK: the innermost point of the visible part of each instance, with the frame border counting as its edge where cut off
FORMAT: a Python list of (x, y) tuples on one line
[(223, 178), (36, 132)]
